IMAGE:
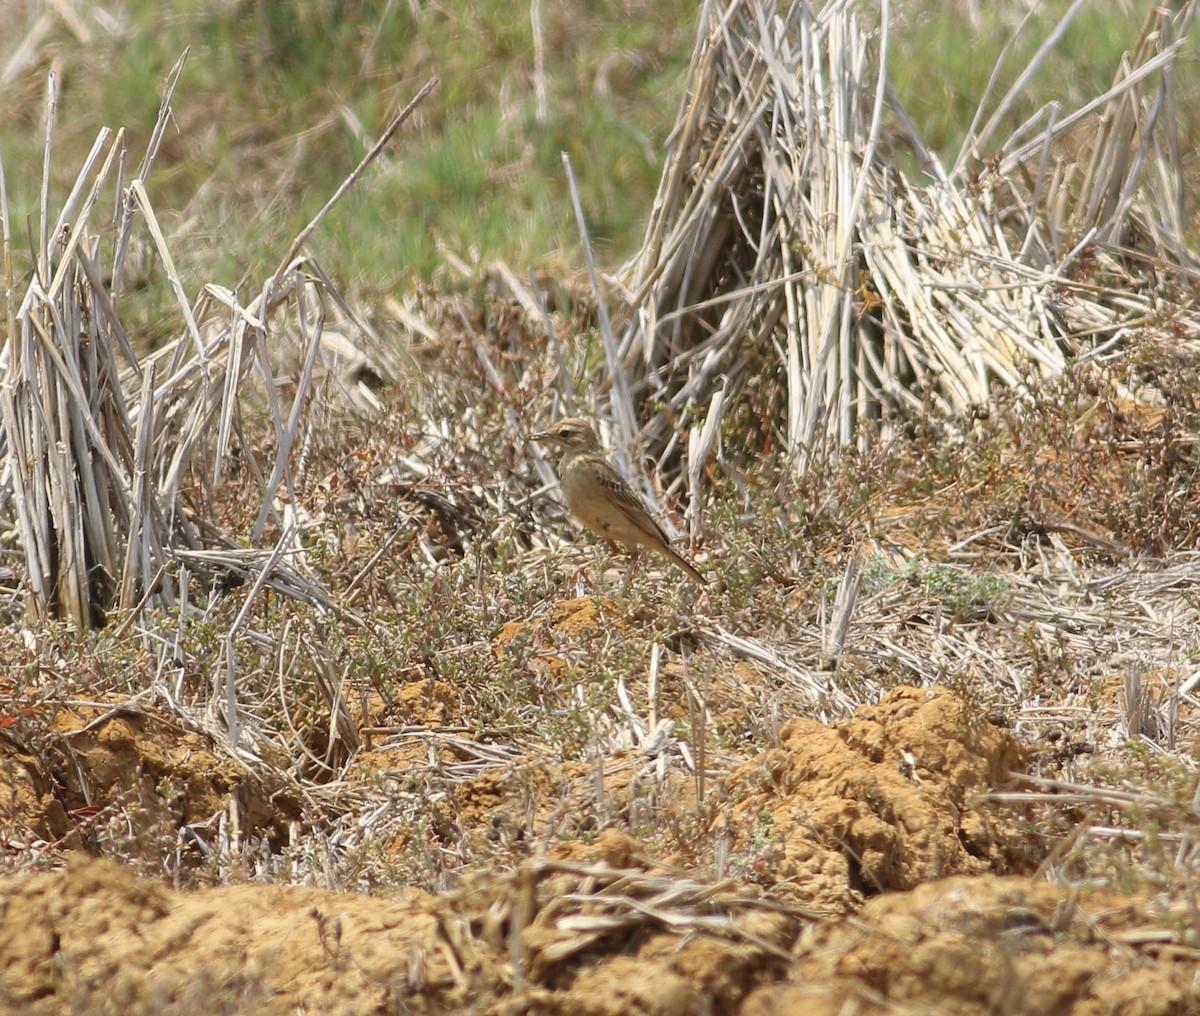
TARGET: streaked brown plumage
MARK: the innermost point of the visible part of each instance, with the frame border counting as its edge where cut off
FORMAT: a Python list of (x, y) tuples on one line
[(600, 498)]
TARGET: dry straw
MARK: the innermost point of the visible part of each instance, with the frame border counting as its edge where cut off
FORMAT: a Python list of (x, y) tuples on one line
[(99, 440), (804, 238)]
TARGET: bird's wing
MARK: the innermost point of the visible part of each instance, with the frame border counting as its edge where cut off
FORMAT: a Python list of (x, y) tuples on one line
[(627, 500)]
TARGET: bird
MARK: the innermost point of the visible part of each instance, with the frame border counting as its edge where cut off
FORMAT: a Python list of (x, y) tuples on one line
[(599, 496)]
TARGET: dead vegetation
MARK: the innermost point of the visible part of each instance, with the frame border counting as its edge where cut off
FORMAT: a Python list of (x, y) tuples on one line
[(936, 441), (798, 258)]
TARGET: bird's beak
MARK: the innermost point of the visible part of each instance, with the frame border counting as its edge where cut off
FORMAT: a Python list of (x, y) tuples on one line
[(543, 436)]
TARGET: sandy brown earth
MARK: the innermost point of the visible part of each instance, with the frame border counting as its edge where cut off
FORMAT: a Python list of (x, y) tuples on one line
[(865, 870)]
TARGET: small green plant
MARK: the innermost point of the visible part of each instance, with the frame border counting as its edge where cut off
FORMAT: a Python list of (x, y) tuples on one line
[(966, 595)]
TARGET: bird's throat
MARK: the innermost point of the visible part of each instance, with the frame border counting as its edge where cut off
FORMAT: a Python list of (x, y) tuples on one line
[(568, 456)]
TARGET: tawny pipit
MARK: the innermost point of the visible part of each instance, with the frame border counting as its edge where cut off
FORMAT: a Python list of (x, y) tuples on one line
[(600, 498)]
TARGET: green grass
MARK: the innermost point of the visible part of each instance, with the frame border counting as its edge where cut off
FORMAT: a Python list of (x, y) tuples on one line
[(278, 102), (265, 106), (940, 67)]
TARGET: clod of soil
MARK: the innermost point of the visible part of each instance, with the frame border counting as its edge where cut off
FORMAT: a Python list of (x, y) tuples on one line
[(573, 620), (884, 801), (93, 937), (28, 799), (968, 946), (146, 765)]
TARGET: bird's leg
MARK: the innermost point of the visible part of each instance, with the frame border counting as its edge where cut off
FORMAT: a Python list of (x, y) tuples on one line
[(633, 565), (613, 551), (580, 574), (582, 570)]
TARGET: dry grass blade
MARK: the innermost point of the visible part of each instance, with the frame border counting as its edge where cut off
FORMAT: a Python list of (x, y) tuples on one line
[(562, 909), (6, 238), (972, 146), (620, 401), (349, 182)]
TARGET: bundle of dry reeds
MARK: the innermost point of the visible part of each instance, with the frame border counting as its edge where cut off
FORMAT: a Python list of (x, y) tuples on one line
[(100, 439), (792, 252)]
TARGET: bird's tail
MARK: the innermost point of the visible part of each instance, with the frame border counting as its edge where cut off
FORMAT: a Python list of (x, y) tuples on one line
[(686, 565)]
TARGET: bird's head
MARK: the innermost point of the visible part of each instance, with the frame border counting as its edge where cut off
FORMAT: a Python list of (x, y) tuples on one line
[(571, 434)]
